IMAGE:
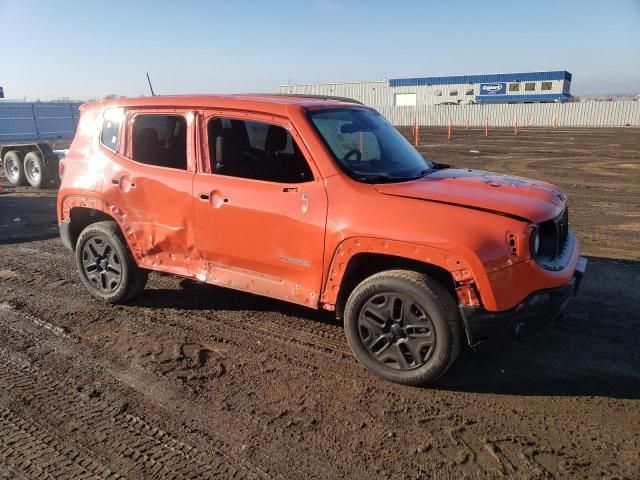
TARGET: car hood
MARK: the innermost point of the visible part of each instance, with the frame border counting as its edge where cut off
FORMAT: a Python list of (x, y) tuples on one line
[(514, 196)]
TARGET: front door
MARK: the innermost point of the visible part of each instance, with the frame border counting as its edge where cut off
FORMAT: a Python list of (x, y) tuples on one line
[(260, 209)]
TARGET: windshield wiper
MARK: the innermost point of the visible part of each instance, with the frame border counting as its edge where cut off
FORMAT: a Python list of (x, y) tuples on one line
[(377, 178), (422, 173), (386, 178)]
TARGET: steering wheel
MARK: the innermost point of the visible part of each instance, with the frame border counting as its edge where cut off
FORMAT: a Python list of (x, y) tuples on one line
[(351, 153)]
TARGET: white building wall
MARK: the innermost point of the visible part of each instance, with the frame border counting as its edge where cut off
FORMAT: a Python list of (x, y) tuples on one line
[(573, 114), (379, 93)]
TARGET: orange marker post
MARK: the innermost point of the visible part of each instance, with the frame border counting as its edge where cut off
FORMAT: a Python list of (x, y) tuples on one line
[(449, 131), (486, 127), (515, 126), (417, 139)]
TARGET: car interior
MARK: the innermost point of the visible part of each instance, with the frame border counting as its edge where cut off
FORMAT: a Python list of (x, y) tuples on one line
[(160, 140), (255, 150)]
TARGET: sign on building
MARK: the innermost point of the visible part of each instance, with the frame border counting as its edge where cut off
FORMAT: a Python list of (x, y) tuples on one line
[(493, 88)]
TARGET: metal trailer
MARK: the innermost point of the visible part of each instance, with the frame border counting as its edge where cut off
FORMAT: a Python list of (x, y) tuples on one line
[(25, 127), (36, 164)]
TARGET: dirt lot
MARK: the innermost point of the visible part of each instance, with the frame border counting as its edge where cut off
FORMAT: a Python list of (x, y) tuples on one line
[(194, 381)]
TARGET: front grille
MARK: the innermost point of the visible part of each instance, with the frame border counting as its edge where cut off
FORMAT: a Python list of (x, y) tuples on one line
[(554, 237)]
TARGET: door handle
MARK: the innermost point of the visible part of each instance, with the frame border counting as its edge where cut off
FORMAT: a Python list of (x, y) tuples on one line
[(290, 189), (204, 197), (115, 181)]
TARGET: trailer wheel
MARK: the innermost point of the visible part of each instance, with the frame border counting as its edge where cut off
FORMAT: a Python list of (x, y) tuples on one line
[(13, 168), (34, 170)]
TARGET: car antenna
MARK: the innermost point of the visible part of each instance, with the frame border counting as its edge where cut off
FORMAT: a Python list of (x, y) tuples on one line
[(150, 86)]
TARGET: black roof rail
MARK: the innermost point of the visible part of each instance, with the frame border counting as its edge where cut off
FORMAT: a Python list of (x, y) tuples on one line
[(316, 97)]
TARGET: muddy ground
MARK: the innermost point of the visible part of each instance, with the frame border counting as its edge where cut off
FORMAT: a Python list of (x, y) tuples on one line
[(193, 381)]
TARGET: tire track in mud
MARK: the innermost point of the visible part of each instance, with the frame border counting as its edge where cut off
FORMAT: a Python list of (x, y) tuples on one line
[(126, 442), (207, 432), (23, 443), (49, 415), (322, 337), (451, 445), (455, 444)]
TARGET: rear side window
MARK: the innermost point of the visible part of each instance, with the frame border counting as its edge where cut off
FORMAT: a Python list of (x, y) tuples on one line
[(160, 140), (111, 128), (255, 150)]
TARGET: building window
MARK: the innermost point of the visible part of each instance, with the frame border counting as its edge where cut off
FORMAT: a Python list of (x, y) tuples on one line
[(514, 87), (530, 86), (469, 91), (545, 86), (405, 99), (438, 93), (453, 93)]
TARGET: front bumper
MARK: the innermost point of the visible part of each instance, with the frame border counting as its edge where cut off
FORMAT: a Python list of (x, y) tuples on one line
[(493, 330)]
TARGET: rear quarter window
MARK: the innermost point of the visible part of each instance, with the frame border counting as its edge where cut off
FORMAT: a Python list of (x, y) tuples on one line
[(110, 136)]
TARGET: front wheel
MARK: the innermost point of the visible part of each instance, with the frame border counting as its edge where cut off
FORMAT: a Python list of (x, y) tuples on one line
[(106, 266), (403, 326)]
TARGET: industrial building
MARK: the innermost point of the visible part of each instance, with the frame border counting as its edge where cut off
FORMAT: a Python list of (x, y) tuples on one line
[(531, 87)]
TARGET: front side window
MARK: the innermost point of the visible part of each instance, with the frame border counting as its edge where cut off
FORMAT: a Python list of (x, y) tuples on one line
[(255, 150), (160, 140), (367, 146)]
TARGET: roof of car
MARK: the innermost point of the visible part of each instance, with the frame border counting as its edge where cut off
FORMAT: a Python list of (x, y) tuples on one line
[(271, 103)]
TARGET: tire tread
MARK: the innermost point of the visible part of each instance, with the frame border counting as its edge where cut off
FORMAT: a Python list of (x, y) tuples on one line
[(443, 299), (138, 275)]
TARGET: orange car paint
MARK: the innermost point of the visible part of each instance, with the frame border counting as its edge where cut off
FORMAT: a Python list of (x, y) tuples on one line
[(295, 241)]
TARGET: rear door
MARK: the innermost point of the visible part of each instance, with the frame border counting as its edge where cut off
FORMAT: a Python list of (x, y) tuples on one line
[(150, 183), (260, 208)]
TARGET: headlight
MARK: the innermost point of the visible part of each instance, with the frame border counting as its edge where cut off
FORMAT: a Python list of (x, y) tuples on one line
[(535, 242)]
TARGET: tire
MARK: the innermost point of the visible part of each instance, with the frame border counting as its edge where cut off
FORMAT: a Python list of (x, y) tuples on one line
[(106, 266), (34, 170), (404, 326), (14, 168)]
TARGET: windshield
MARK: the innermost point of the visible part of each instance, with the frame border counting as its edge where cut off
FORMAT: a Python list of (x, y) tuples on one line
[(368, 147)]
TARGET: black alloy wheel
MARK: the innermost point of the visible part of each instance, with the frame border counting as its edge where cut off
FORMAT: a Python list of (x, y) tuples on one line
[(397, 330), (102, 265)]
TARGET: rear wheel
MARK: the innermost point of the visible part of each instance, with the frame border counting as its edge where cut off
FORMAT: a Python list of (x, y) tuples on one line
[(34, 170), (13, 168), (106, 266), (403, 326)]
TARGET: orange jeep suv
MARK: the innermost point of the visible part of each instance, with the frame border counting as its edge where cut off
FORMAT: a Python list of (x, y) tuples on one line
[(319, 202)]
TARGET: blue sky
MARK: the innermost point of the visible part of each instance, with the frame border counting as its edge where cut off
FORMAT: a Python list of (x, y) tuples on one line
[(88, 49)]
